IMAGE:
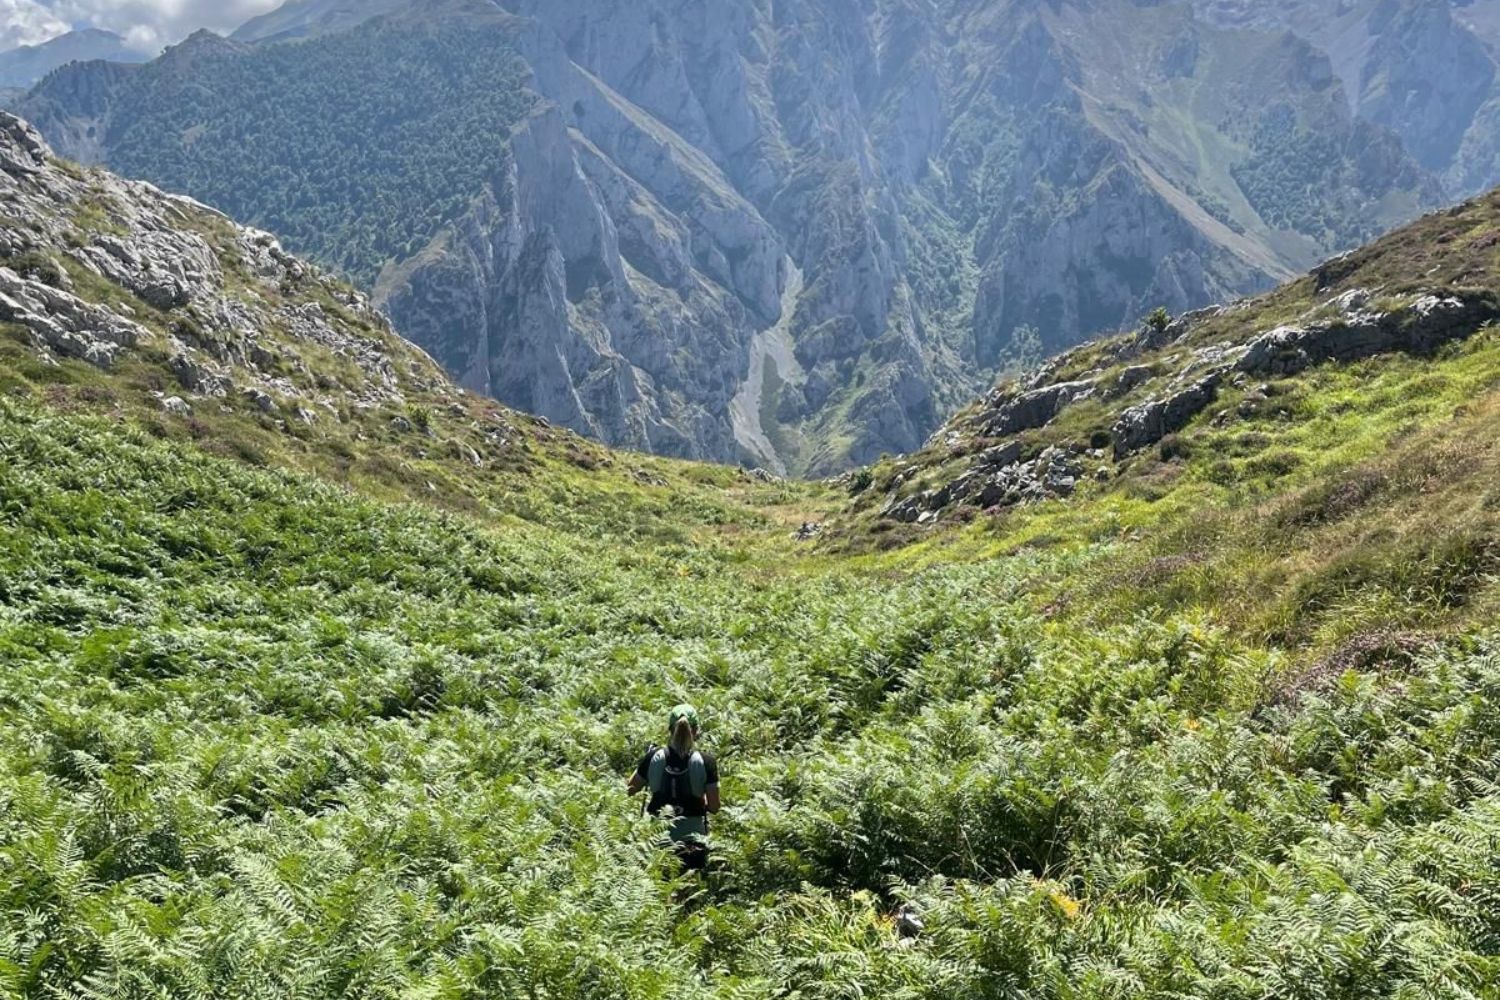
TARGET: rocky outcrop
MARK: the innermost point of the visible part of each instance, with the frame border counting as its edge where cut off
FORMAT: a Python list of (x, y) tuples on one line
[(1429, 322), (1035, 408), (1149, 422), (1053, 474), (64, 323), (1013, 448), (1419, 328), (228, 309)]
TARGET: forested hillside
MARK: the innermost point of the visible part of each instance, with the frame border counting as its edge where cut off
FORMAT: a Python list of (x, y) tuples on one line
[(354, 175)]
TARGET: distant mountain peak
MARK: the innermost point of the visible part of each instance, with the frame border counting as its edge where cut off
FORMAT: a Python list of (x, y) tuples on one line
[(24, 66), (299, 19)]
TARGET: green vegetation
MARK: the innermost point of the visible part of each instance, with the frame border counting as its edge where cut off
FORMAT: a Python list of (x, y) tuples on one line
[(262, 737), (355, 149), (329, 700), (1294, 177)]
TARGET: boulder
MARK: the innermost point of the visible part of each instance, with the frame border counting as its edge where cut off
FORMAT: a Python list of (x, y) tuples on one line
[(194, 376), (1130, 378), (23, 151), (1146, 424), (1035, 408)]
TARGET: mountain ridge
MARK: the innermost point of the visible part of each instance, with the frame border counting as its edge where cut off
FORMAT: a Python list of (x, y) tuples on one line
[(24, 65)]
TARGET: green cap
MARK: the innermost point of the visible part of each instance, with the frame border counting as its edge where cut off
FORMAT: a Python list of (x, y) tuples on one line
[(683, 711)]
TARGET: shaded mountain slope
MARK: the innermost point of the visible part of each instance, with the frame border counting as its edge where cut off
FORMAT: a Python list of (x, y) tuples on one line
[(957, 187)]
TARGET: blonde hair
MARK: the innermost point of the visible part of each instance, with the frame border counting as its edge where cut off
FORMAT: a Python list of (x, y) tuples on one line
[(683, 737)]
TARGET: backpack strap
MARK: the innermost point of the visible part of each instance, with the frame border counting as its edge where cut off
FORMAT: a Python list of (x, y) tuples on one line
[(656, 772), (697, 775)]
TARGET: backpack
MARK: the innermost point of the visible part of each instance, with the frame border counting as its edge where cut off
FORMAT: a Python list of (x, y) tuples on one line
[(678, 784)]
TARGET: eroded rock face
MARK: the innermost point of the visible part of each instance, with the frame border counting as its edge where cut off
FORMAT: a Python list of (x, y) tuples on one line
[(158, 265), (64, 323), (1036, 408), (1149, 422)]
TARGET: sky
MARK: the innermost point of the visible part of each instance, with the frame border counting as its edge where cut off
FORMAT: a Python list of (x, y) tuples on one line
[(147, 25)]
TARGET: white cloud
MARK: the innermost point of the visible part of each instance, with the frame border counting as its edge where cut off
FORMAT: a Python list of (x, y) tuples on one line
[(27, 22), (147, 24)]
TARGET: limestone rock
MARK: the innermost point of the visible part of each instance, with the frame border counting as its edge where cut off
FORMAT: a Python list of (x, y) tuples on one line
[(1149, 422), (155, 251), (1035, 408)]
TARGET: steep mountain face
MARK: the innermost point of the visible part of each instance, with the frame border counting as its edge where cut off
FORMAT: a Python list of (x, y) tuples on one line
[(154, 307), (1425, 68), (152, 311), (793, 234), (25, 65)]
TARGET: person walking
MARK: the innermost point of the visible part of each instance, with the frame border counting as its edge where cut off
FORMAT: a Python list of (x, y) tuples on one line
[(684, 785)]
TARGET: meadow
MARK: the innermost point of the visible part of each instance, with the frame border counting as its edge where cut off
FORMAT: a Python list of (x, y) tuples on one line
[(261, 735)]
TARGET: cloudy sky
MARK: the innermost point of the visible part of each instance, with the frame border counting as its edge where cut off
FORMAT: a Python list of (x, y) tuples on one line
[(147, 24)]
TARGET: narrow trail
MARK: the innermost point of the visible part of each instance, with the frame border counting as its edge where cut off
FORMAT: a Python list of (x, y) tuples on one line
[(774, 345)]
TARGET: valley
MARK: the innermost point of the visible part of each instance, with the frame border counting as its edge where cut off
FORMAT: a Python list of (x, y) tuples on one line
[(597, 230), (323, 674)]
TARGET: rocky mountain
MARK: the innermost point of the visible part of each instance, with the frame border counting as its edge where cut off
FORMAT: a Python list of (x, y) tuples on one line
[(150, 310), (1427, 69), (152, 307), (793, 234), (25, 65)]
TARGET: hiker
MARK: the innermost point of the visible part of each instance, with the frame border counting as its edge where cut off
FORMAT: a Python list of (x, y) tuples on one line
[(684, 780)]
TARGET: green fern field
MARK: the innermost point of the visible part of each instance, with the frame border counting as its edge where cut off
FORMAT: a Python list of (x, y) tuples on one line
[(321, 678), (264, 738)]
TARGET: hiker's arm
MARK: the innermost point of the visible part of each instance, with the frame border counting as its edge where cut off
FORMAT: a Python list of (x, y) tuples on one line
[(638, 779), (711, 786)]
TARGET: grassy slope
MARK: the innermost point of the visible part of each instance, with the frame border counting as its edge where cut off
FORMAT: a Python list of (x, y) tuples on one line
[(265, 737), (1303, 513), (316, 729)]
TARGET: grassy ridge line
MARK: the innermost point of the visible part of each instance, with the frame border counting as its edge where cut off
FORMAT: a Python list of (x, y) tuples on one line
[(1304, 512), (1352, 499), (262, 737)]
